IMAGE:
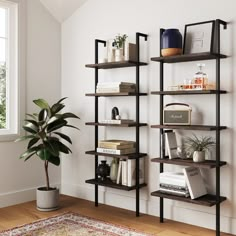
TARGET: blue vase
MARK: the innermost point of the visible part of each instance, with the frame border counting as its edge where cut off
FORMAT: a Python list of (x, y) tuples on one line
[(171, 42)]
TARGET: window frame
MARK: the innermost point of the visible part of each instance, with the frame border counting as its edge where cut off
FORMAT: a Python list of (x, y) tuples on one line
[(16, 60)]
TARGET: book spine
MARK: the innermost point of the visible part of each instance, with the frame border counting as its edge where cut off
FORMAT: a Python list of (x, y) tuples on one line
[(173, 187), (115, 90), (118, 180), (172, 181), (115, 151), (124, 173)]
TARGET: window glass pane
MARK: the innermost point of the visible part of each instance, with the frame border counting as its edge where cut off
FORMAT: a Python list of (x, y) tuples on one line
[(2, 95), (2, 50), (2, 22)]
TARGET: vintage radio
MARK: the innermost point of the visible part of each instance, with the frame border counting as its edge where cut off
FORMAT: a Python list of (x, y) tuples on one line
[(177, 114)]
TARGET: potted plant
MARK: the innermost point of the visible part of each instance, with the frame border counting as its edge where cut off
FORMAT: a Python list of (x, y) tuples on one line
[(119, 43), (45, 142), (197, 146)]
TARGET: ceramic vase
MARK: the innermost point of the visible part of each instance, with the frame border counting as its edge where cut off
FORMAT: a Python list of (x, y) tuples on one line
[(199, 156), (114, 170), (103, 170), (171, 42), (119, 54)]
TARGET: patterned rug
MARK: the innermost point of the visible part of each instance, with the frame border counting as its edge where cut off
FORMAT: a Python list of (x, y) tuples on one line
[(70, 224)]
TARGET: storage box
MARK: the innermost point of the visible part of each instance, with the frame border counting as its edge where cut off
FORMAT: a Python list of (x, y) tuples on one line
[(177, 114)]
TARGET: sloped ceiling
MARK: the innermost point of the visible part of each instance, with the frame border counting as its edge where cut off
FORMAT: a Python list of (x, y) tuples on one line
[(62, 9)]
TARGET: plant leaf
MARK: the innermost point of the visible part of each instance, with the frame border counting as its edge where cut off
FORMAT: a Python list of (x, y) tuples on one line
[(32, 116), (32, 122), (31, 128), (28, 152), (56, 125), (69, 115), (44, 154), (32, 142), (63, 148), (54, 160), (41, 103), (52, 147), (67, 138), (42, 117), (62, 99), (71, 126), (56, 108), (24, 138)]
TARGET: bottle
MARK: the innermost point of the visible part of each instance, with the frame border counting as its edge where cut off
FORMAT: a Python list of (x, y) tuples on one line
[(114, 170), (200, 77), (103, 170)]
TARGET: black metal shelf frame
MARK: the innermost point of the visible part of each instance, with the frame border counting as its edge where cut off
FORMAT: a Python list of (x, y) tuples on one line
[(111, 65), (216, 56)]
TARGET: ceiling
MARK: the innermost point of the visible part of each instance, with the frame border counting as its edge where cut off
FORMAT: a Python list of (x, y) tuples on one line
[(62, 9)]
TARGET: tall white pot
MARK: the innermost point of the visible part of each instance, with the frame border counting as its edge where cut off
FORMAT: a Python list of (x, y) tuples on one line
[(47, 200)]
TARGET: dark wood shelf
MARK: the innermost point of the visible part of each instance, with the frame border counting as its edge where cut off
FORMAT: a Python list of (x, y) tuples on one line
[(131, 124), (110, 184), (189, 57), (189, 127), (119, 64), (187, 92), (127, 156), (114, 94), (207, 200), (208, 164)]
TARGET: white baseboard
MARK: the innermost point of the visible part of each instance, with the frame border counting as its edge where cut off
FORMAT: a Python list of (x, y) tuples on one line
[(13, 198), (21, 196), (150, 206)]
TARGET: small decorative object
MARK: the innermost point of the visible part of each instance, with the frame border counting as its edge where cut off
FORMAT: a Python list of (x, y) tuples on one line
[(199, 37), (114, 113), (200, 78), (177, 114), (197, 146), (114, 169), (171, 42), (119, 43), (103, 170), (110, 51)]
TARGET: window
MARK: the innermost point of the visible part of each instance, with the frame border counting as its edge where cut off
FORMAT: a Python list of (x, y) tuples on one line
[(9, 75)]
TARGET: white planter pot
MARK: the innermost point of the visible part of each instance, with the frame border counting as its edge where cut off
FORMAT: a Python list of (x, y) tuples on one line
[(119, 54), (198, 156), (47, 200)]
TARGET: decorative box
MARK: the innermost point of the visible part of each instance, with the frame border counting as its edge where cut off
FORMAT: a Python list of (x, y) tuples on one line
[(177, 114)]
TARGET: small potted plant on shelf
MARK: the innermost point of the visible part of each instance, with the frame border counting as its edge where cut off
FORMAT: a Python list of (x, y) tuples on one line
[(45, 142), (119, 43), (197, 146)]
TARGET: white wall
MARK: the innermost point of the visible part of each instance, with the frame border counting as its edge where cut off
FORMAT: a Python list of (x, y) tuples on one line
[(103, 20), (19, 179)]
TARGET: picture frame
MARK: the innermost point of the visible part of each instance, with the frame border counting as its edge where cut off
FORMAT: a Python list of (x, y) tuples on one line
[(199, 37)]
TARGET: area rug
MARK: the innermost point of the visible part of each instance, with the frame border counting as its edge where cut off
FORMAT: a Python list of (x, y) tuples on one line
[(71, 224)]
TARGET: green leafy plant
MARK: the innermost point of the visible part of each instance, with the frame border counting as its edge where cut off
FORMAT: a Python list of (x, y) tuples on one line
[(3, 96), (44, 140), (195, 143), (119, 40)]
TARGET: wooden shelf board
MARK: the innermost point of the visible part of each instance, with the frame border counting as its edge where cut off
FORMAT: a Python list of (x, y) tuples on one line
[(188, 57), (127, 156), (189, 127), (114, 94), (187, 92), (119, 64), (131, 124), (207, 200), (208, 164), (110, 184)]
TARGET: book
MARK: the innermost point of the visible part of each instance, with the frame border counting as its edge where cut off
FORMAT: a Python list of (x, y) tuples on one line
[(171, 145), (116, 151), (121, 121), (173, 178), (114, 84), (118, 180), (131, 166), (116, 147), (116, 142), (174, 187), (115, 90), (124, 172), (194, 182), (174, 192)]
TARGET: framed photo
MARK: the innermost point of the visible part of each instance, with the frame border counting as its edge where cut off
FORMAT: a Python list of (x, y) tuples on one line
[(199, 37)]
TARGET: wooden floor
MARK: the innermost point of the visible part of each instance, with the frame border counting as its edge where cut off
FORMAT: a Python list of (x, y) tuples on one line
[(25, 213)]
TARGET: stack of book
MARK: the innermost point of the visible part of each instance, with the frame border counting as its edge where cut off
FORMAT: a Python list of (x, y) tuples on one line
[(115, 87), (174, 183), (118, 147), (116, 122)]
